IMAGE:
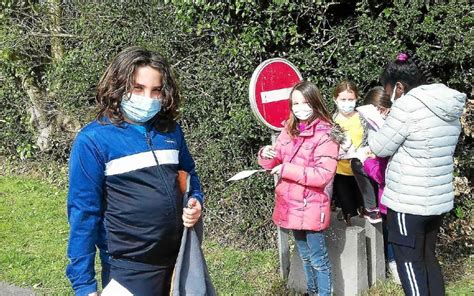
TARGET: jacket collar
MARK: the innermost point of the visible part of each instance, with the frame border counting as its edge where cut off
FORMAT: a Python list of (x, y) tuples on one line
[(317, 124), (145, 128)]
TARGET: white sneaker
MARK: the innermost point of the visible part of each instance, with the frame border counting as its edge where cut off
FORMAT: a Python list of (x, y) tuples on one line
[(392, 266)]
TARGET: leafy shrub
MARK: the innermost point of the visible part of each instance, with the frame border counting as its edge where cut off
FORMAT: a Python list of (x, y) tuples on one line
[(214, 48)]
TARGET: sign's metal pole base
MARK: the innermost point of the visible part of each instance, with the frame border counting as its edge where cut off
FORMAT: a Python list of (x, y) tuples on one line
[(284, 252), (283, 240)]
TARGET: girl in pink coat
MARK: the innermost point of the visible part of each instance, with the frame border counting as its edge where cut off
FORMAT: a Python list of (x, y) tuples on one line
[(305, 158)]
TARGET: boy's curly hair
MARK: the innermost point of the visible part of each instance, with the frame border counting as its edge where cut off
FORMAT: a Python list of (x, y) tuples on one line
[(118, 80)]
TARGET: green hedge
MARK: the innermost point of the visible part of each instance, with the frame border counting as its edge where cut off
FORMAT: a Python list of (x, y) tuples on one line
[(214, 48)]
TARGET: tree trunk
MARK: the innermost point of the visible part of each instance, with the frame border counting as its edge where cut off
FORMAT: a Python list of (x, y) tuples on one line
[(57, 47), (38, 112), (42, 117)]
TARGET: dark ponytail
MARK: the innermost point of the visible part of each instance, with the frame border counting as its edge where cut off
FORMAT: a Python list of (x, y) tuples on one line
[(406, 69)]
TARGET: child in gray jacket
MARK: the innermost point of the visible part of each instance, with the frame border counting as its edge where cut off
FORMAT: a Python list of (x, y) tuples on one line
[(420, 136)]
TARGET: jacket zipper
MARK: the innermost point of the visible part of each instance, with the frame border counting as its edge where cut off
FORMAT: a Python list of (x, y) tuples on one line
[(160, 173)]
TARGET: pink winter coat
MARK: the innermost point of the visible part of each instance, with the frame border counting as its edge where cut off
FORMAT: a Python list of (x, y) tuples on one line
[(375, 169), (308, 168)]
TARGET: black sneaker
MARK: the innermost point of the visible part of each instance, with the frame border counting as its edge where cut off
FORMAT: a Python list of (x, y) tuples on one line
[(340, 215), (347, 218), (373, 210), (333, 206), (373, 217)]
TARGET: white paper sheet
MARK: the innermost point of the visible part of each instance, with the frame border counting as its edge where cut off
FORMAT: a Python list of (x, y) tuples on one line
[(114, 288), (244, 174), (371, 115)]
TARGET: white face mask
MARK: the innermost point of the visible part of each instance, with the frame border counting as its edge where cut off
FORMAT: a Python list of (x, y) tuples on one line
[(302, 111), (346, 107), (392, 98)]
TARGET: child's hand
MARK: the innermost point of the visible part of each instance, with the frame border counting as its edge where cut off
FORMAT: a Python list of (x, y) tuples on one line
[(363, 153), (384, 112), (192, 212), (276, 170), (268, 152)]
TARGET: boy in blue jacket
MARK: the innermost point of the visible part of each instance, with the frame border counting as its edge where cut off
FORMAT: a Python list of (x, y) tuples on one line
[(124, 198)]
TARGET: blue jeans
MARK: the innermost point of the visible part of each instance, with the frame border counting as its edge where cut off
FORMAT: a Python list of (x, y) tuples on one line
[(312, 249)]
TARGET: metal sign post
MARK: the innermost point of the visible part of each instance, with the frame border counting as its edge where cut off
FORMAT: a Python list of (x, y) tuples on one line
[(269, 95), (283, 241)]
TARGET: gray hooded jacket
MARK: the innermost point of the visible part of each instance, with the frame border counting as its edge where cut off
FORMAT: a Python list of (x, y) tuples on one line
[(420, 136)]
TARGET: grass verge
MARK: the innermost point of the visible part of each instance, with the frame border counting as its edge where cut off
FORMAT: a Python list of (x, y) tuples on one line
[(34, 232)]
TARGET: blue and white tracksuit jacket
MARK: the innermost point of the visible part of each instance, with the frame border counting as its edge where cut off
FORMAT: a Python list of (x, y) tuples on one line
[(124, 197)]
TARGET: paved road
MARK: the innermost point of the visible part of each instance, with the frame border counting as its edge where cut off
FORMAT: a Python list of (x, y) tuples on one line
[(8, 290)]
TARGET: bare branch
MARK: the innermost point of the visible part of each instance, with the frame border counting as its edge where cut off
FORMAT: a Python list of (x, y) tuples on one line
[(48, 35), (318, 46)]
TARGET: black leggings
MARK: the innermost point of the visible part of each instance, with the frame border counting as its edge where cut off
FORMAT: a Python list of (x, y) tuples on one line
[(347, 194), (367, 187)]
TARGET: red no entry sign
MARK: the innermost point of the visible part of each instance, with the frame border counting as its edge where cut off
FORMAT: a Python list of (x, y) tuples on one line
[(269, 91)]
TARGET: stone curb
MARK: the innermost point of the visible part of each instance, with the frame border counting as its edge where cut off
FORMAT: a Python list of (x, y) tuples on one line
[(9, 290)]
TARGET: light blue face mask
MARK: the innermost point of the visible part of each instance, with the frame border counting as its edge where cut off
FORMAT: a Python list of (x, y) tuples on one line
[(139, 108), (346, 107)]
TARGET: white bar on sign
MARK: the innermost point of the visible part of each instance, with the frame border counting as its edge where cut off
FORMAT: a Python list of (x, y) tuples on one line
[(275, 95)]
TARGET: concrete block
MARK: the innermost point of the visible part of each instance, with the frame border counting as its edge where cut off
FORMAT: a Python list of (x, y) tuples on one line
[(347, 253), (296, 278), (375, 249)]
